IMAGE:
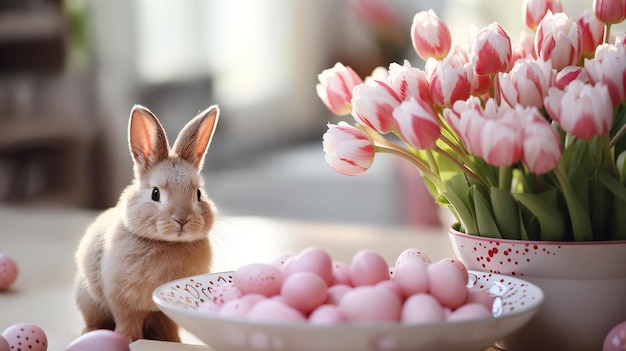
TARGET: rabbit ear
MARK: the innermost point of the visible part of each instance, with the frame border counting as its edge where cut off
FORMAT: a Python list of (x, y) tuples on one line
[(146, 137), (193, 141)]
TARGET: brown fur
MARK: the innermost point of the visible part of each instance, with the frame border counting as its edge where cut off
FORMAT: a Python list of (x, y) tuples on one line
[(140, 244)]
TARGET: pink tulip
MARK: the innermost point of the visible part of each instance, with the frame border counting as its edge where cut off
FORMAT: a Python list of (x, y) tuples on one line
[(610, 11), (592, 32), (449, 79), (430, 35), (527, 83), (417, 123), (408, 82), (348, 150), (373, 104), (524, 48), (533, 11), (541, 142), (335, 88), (493, 133), (490, 50), (581, 110), (569, 74), (558, 39), (609, 68)]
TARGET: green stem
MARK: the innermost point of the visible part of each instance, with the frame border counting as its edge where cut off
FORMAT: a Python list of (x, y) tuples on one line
[(460, 165), (392, 149), (607, 32), (605, 146), (504, 178), (579, 218)]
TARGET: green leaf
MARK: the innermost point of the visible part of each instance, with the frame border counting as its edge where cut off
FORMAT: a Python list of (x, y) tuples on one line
[(545, 208), (619, 219), (484, 216), (612, 184), (505, 212), (457, 193)]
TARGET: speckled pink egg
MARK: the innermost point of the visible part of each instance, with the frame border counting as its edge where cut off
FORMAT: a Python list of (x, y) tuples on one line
[(368, 268), (615, 340), (209, 307), (253, 299), (304, 291), (422, 308), (281, 258), (412, 254), (8, 271), (258, 278), (274, 310), (336, 292), (26, 336), (314, 260), (412, 277), (4, 344), (460, 266), (224, 293), (341, 273), (447, 284), (99, 340), (469, 311), (369, 303), (327, 314), (235, 308)]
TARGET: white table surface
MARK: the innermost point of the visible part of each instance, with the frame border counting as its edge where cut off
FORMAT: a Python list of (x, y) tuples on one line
[(42, 241)]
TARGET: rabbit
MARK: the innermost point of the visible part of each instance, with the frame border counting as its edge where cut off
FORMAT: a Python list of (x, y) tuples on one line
[(157, 232)]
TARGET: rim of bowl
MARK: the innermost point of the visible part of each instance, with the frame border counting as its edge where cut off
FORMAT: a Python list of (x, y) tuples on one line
[(455, 232)]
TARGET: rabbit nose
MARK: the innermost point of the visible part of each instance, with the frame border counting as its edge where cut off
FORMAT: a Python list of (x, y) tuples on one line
[(182, 221)]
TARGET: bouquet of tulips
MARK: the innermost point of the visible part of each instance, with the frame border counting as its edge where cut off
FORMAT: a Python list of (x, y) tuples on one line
[(521, 140)]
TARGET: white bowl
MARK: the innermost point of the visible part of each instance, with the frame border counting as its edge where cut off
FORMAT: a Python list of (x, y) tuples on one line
[(516, 301)]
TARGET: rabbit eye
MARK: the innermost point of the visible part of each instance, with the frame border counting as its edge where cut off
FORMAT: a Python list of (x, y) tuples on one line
[(199, 194), (156, 194)]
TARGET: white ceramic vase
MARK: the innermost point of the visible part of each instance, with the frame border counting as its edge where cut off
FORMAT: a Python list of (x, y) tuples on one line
[(584, 286)]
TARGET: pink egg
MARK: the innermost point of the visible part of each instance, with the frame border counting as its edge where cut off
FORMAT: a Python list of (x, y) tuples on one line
[(4, 344), (447, 284), (26, 336), (327, 314), (8, 271), (281, 258), (469, 311), (314, 260), (369, 303), (235, 308), (392, 286), (224, 293), (412, 277), (336, 292), (209, 307), (368, 268), (253, 299), (341, 273), (615, 340), (304, 291), (422, 308), (412, 254), (460, 266), (274, 310), (99, 340), (258, 278)]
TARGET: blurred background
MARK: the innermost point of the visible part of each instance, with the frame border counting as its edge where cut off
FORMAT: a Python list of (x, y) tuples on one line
[(70, 71)]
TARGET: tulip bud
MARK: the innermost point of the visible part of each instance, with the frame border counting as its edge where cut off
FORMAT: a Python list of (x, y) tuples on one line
[(335, 88), (569, 74), (558, 39), (348, 150), (609, 68), (524, 48), (449, 79), (417, 123), (527, 83), (592, 32), (533, 11), (373, 104), (490, 51), (581, 110), (541, 142), (610, 11), (408, 82), (430, 35)]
